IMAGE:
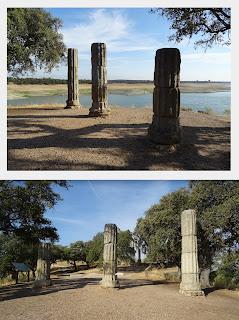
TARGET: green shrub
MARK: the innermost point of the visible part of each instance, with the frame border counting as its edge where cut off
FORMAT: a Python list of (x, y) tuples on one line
[(228, 272)]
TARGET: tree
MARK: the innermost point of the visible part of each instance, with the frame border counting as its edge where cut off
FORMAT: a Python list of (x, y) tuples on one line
[(213, 25), (58, 252), (217, 207), (14, 249), (227, 275), (160, 228), (34, 40), (23, 205), (76, 252), (125, 247), (94, 249)]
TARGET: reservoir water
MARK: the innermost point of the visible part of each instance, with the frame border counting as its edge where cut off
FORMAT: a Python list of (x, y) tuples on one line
[(217, 102)]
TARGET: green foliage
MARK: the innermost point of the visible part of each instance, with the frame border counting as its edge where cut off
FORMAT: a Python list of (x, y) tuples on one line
[(160, 228), (228, 272), (212, 24), (34, 40), (217, 207), (76, 252), (13, 249), (58, 252), (125, 247), (94, 249), (23, 205), (91, 252)]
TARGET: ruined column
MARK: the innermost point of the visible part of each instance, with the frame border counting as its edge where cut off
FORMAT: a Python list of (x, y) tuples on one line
[(73, 82), (43, 266), (99, 81), (109, 279), (165, 127), (190, 283)]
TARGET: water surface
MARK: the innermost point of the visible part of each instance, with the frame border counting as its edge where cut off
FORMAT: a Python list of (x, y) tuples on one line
[(217, 102)]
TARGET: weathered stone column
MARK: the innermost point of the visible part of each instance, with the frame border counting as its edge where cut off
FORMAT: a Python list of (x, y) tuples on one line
[(99, 81), (190, 284), (73, 82), (165, 127), (43, 266), (109, 279)]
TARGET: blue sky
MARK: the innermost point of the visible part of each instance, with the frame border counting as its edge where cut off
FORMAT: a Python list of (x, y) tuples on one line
[(88, 205), (132, 36)]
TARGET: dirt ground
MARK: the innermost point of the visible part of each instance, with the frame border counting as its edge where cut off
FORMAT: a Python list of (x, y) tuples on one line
[(79, 296), (51, 138)]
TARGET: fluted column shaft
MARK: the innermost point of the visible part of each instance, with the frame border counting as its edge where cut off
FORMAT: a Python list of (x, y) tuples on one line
[(73, 100), (43, 266), (165, 127), (99, 81), (190, 283), (109, 279)]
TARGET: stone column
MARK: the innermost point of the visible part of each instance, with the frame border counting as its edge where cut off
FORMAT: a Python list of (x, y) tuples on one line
[(73, 82), (109, 279), (43, 266), (190, 283), (99, 81), (165, 127)]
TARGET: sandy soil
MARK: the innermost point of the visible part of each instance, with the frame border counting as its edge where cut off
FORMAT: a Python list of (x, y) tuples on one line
[(28, 90), (80, 297), (51, 138)]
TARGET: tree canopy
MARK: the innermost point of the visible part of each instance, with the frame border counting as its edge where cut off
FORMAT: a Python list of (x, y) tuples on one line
[(211, 25), (23, 205), (34, 40)]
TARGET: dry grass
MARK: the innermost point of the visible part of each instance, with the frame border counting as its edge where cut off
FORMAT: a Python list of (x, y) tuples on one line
[(25, 90)]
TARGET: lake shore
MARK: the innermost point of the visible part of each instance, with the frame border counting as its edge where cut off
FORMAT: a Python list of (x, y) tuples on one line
[(16, 91), (52, 138)]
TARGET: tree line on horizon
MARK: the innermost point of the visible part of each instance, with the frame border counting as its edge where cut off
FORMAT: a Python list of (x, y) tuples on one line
[(157, 234), (49, 81)]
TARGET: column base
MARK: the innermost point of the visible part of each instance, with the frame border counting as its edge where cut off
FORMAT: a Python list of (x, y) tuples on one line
[(192, 293), (165, 131), (72, 104), (109, 284), (41, 283), (99, 110)]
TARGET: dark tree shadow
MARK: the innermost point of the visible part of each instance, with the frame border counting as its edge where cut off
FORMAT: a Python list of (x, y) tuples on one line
[(26, 290), (202, 148)]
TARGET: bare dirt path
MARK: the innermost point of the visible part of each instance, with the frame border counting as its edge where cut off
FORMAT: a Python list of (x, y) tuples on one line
[(51, 138), (80, 297)]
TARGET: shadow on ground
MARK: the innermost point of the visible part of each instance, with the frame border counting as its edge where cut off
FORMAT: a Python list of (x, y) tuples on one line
[(22, 290), (202, 148)]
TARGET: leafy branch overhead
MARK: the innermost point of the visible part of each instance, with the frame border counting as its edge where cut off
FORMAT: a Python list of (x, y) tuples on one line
[(23, 206), (34, 40), (212, 25)]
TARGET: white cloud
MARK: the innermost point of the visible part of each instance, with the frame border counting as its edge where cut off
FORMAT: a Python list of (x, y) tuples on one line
[(112, 27), (66, 220)]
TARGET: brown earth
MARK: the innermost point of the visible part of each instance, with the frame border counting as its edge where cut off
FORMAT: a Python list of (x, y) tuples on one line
[(51, 138), (79, 296)]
